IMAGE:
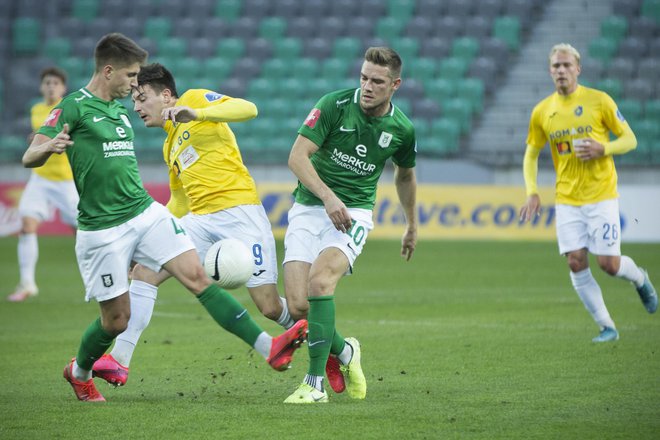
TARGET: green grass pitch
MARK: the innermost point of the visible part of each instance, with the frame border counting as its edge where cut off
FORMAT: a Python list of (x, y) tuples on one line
[(469, 340)]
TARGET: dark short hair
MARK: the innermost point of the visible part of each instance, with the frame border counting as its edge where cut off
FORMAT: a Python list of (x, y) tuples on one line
[(384, 56), (119, 50), (53, 71), (158, 78)]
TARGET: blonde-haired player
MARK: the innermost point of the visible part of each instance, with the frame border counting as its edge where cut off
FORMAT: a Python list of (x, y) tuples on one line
[(50, 187), (211, 190), (576, 122)]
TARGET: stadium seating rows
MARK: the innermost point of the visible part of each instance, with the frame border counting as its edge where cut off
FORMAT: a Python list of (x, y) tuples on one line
[(624, 61), (285, 54)]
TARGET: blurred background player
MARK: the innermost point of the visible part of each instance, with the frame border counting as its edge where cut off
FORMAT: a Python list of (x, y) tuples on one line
[(576, 122), (119, 222), (338, 157), (211, 191), (50, 187)]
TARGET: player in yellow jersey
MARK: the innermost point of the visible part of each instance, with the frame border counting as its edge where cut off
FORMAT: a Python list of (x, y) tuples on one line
[(211, 190), (576, 122), (50, 187)]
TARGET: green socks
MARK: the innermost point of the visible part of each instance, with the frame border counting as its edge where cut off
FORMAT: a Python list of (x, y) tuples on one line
[(95, 342), (321, 321), (230, 314), (338, 344)]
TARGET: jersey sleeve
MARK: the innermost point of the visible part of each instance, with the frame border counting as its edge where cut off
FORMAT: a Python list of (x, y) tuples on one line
[(65, 112), (535, 135), (202, 98), (405, 156), (612, 117), (320, 121), (178, 204)]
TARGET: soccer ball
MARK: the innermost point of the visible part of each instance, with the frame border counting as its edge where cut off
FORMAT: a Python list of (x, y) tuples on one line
[(229, 263)]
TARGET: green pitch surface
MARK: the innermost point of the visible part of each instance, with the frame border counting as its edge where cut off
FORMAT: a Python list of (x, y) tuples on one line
[(468, 340)]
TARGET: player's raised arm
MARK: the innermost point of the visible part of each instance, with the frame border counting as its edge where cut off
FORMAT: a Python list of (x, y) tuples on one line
[(42, 147), (229, 110)]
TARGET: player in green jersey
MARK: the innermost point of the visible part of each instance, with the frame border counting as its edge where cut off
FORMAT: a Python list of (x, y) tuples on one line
[(119, 223), (338, 158), (213, 194)]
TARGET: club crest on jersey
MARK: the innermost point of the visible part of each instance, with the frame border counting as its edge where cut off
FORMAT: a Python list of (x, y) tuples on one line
[(312, 117), (51, 120), (563, 148), (385, 139), (213, 96), (578, 110), (107, 280)]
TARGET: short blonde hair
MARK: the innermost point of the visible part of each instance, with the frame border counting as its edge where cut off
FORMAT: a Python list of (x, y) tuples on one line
[(566, 48)]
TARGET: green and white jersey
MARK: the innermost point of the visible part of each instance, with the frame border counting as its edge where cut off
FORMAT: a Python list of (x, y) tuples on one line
[(354, 147), (102, 159)]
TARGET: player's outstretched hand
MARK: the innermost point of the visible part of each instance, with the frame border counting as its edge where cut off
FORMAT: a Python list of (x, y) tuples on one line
[(408, 243), (62, 141), (181, 114), (531, 208)]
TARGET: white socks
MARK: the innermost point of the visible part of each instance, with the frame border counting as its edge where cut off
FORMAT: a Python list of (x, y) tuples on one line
[(143, 299), (79, 373), (628, 270), (314, 381), (28, 254), (285, 319), (263, 344), (346, 354), (589, 292)]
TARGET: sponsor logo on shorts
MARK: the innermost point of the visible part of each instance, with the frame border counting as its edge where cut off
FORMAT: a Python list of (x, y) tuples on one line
[(256, 274), (107, 280)]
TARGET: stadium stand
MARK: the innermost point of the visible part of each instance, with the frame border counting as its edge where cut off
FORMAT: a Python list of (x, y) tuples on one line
[(285, 54)]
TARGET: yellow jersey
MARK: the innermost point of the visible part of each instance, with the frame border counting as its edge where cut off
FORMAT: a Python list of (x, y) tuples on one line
[(204, 160), (57, 166), (560, 120)]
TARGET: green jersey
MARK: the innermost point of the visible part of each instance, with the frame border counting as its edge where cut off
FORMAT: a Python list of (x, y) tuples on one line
[(354, 147), (102, 159)]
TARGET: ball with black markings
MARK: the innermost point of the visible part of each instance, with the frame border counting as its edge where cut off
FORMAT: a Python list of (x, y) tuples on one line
[(229, 263)]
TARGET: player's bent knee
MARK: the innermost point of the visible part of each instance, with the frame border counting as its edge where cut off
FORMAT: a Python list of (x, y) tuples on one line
[(270, 311), (321, 286), (298, 309), (609, 267), (117, 324), (195, 280), (577, 264)]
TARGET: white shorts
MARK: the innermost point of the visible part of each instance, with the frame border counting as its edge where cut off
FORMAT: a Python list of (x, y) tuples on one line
[(247, 223), (311, 231), (595, 227), (42, 196), (152, 239)]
